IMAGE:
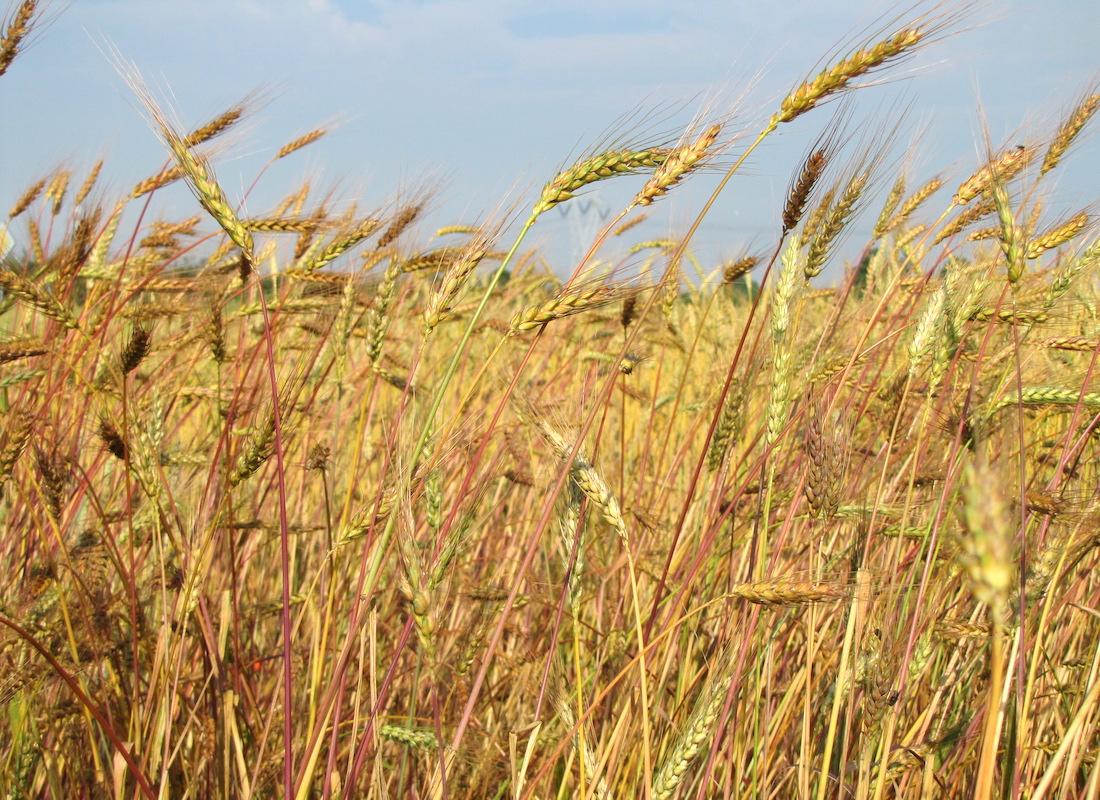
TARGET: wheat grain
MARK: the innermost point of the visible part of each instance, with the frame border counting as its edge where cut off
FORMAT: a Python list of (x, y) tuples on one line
[(18, 286), (439, 304), (891, 204), (136, 349), (341, 243), (55, 190), (825, 474), (283, 224), (696, 732), (1085, 344), (17, 349)]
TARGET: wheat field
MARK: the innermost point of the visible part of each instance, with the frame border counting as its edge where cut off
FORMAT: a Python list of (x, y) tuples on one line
[(333, 505)]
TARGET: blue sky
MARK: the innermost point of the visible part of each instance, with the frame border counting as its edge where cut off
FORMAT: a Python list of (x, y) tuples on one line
[(488, 99)]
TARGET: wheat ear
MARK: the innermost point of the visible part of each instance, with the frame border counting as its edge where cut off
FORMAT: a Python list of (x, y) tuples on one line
[(17, 30), (597, 168), (1069, 131), (299, 143), (677, 165), (799, 193), (839, 76), (566, 304)]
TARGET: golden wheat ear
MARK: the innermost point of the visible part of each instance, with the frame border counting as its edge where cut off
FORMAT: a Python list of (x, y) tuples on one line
[(16, 32)]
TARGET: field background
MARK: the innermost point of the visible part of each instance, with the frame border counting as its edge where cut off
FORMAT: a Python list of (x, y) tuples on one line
[(331, 501)]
